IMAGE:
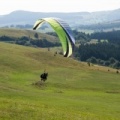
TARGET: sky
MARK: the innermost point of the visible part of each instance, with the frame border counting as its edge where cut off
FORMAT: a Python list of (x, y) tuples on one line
[(8, 6)]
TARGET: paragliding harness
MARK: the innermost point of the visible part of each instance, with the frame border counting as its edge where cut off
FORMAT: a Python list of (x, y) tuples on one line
[(44, 76)]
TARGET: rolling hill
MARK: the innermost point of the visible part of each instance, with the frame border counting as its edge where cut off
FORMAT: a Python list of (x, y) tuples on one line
[(73, 19), (73, 90)]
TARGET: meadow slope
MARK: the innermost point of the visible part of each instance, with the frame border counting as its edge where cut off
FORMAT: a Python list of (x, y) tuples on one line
[(73, 91)]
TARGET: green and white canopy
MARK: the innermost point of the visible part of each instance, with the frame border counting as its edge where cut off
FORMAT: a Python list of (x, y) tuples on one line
[(63, 31)]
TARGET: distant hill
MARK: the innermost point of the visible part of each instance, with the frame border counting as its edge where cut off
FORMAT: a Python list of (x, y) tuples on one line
[(74, 19), (17, 33), (100, 27), (28, 38)]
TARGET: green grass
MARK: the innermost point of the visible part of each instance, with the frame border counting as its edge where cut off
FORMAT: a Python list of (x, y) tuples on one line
[(73, 90)]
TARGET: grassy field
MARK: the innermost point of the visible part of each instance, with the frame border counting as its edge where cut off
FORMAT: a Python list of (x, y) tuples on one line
[(73, 91)]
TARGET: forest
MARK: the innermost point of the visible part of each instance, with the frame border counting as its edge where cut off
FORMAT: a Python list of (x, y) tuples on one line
[(104, 52)]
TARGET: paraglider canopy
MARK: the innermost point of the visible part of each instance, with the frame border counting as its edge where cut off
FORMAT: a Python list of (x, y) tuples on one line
[(63, 31)]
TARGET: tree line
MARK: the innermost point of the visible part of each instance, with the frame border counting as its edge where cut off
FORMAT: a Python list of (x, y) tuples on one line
[(103, 53), (100, 26), (27, 41)]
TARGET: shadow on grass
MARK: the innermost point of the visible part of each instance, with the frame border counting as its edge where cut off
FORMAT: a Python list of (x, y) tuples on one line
[(40, 84)]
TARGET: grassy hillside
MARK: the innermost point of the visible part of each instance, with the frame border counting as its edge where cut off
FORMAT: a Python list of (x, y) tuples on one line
[(73, 90), (17, 33)]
